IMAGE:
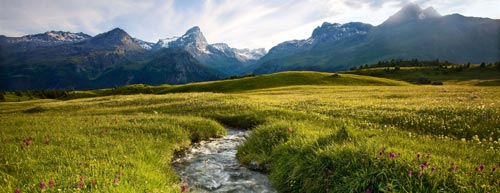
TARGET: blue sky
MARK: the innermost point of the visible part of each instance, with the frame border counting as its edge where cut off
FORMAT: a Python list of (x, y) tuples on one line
[(240, 23)]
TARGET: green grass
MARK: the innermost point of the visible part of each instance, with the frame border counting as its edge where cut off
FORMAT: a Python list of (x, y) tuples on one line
[(308, 138), (474, 75), (283, 79)]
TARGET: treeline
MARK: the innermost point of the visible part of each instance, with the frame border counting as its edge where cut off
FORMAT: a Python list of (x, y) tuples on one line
[(40, 94), (396, 64)]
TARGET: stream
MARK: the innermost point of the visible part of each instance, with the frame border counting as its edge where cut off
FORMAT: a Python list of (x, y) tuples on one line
[(211, 166)]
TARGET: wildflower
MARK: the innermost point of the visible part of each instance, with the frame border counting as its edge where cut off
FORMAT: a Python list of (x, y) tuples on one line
[(481, 167), (51, 183), (31, 138), (391, 155), (92, 181), (47, 139), (410, 172), (17, 191), (183, 188), (493, 169), (428, 155), (453, 168), (26, 142), (432, 169), (42, 184), (418, 155), (423, 165), (82, 178), (399, 154), (387, 187), (115, 181), (120, 174), (381, 153), (79, 185)]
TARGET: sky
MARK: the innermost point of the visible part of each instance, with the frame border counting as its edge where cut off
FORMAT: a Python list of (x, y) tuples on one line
[(239, 23)]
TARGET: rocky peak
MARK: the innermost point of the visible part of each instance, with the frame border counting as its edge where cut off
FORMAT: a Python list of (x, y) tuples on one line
[(412, 12), (115, 38), (335, 31)]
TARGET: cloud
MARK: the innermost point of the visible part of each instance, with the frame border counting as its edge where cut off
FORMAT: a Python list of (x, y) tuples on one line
[(242, 23)]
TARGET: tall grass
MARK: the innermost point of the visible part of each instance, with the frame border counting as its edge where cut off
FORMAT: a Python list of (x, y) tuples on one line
[(307, 138)]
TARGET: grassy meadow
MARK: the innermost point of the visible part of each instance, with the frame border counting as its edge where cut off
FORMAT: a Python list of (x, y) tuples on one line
[(350, 134)]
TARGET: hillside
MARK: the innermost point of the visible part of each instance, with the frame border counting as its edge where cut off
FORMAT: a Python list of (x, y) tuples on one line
[(284, 79), (451, 75)]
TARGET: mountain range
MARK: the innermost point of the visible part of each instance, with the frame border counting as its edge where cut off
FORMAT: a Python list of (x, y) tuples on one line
[(410, 33), (65, 60)]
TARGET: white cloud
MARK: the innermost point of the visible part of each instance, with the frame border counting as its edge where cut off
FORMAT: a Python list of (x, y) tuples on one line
[(242, 23)]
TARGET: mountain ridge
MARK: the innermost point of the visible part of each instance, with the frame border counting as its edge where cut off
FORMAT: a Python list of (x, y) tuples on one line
[(412, 32)]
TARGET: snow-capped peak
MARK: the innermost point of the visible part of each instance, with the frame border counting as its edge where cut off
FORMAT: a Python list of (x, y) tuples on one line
[(164, 42), (144, 44)]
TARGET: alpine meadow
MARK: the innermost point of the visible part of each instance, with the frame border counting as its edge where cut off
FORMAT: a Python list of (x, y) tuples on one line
[(409, 105)]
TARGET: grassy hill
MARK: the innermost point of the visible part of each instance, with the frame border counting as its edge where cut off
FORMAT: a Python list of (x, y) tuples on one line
[(282, 79), (475, 75)]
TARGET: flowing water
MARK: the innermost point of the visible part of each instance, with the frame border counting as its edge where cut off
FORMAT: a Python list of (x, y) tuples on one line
[(211, 166)]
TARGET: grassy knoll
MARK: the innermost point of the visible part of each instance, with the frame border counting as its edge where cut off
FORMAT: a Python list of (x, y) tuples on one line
[(453, 75), (221, 86), (308, 138), (283, 79)]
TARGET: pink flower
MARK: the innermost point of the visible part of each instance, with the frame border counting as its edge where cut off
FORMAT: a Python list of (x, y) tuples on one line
[(82, 178), (391, 155), (79, 185), (51, 183), (381, 153), (31, 138), (183, 188), (432, 169), (17, 191), (47, 139), (92, 181), (410, 172), (368, 191), (115, 180), (453, 168), (481, 167), (26, 142), (493, 169), (428, 155), (418, 155), (42, 184)]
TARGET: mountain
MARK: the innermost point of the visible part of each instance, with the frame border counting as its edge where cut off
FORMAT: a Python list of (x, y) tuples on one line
[(219, 55), (410, 33), (109, 59), (50, 38)]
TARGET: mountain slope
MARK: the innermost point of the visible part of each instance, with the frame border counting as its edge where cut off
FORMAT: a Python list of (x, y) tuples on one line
[(410, 33)]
